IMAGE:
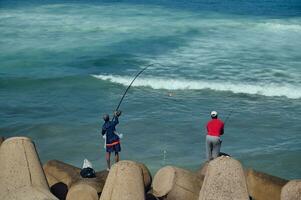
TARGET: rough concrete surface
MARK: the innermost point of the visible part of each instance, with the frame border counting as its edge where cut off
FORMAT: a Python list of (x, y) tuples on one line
[(292, 190), (147, 177), (124, 182), (263, 186), (224, 180), (21, 175), (1, 140), (61, 171), (82, 191), (174, 183)]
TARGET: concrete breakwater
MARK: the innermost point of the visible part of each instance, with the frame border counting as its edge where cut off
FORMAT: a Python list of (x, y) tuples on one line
[(22, 176)]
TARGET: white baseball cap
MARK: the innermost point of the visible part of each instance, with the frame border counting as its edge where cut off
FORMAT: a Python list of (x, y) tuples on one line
[(213, 114)]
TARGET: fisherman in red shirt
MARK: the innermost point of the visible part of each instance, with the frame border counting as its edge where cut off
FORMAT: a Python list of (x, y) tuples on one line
[(215, 128)]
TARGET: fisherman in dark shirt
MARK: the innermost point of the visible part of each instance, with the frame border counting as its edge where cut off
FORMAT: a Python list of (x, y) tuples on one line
[(111, 136)]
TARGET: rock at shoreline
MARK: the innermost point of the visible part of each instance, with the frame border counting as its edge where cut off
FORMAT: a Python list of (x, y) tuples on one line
[(1, 140), (263, 186), (224, 180), (21, 175), (291, 191), (173, 183), (202, 171), (124, 182)]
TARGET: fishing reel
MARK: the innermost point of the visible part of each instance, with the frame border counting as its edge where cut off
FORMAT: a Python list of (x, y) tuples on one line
[(117, 113)]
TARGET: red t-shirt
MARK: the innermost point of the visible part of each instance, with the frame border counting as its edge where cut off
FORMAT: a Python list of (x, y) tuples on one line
[(215, 127)]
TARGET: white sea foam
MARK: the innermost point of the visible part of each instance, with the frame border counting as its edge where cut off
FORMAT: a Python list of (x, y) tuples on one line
[(270, 90), (280, 26)]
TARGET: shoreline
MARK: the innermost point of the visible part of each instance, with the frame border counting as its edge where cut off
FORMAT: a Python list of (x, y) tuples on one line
[(22, 172)]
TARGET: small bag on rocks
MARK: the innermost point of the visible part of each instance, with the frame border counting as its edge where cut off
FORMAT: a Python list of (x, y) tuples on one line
[(87, 171)]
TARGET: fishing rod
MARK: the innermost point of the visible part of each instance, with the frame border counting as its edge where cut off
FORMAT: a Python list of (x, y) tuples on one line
[(140, 72), (127, 89), (229, 115)]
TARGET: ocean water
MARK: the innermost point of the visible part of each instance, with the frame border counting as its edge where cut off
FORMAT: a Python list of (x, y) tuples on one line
[(63, 64)]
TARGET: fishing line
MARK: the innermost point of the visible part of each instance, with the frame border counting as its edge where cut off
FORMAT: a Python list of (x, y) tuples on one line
[(228, 116)]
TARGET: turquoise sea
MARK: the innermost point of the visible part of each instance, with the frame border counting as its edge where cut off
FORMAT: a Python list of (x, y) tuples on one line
[(63, 64)]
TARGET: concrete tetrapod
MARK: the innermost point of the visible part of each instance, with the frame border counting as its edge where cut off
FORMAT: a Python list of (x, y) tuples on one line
[(51, 179), (263, 186), (173, 183), (97, 183), (21, 175), (62, 176), (124, 182), (62, 172), (292, 190), (224, 180), (202, 171), (82, 191), (147, 177), (1, 140)]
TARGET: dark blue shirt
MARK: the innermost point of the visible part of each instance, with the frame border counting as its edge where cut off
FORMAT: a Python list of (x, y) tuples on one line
[(108, 128)]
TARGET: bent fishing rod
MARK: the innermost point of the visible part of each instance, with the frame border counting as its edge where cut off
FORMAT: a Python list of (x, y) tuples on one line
[(127, 89)]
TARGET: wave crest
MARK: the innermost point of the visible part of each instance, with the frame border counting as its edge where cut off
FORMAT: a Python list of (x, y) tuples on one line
[(280, 26), (270, 90)]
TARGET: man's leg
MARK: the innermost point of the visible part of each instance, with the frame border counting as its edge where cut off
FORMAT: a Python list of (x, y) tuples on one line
[(108, 155), (216, 148), (208, 148), (117, 149), (116, 157)]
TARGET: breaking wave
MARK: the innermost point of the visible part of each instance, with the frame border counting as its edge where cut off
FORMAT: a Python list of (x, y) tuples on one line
[(270, 90), (281, 26)]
